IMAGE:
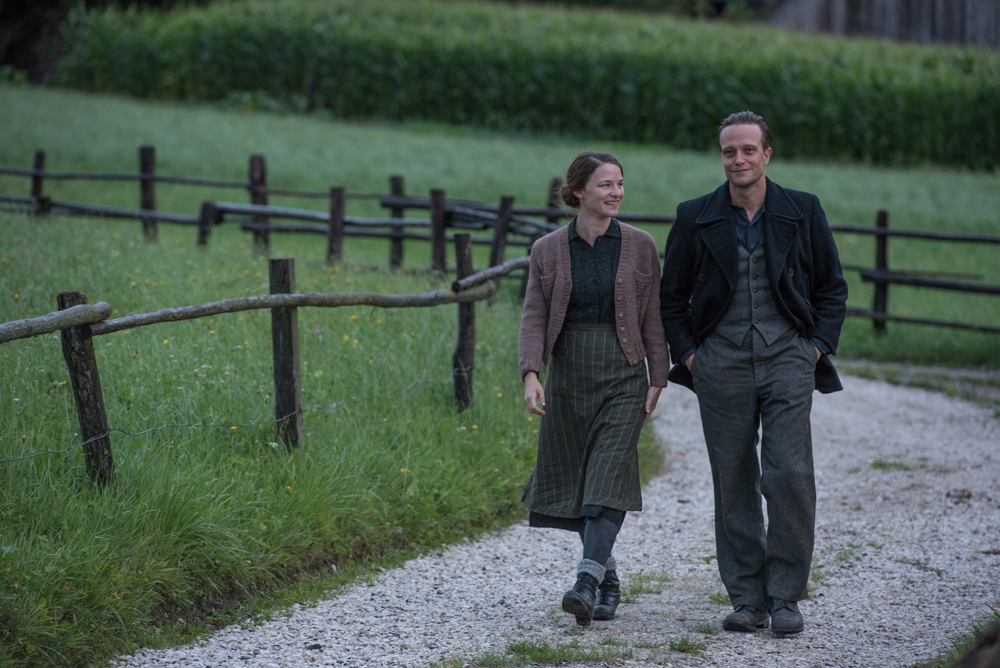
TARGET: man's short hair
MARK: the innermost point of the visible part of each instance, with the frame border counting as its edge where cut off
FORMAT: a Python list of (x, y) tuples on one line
[(747, 118)]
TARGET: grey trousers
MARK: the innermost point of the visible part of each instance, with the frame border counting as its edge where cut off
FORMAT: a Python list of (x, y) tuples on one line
[(741, 388)]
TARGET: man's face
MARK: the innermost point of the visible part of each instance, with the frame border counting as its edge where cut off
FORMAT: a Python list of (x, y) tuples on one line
[(743, 154)]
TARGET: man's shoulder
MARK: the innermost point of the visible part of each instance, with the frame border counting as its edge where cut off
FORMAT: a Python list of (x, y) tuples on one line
[(802, 200), (692, 207), (691, 210)]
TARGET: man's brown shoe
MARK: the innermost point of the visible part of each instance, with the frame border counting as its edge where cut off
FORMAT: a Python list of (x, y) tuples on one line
[(746, 618)]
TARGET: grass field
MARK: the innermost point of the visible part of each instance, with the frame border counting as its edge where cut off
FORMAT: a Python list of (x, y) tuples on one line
[(202, 516), (86, 132), (203, 521)]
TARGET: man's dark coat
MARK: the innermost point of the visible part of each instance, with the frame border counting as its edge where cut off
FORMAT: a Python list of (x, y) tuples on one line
[(803, 268)]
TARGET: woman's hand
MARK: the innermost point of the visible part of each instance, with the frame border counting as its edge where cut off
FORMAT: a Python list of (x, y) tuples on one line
[(533, 391), (652, 396)]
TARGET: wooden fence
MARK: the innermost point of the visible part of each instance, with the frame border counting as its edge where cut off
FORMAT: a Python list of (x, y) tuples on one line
[(882, 276), (505, 224), (80, 322), (967, 22)]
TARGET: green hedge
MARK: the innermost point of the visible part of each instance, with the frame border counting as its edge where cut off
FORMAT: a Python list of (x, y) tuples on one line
[(597, 74)]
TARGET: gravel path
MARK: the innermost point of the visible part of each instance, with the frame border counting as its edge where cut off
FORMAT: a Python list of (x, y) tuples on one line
[(907, 555)]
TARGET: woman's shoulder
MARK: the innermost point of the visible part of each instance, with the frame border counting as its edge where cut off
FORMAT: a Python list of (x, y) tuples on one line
[(550, 242), (641, 238)]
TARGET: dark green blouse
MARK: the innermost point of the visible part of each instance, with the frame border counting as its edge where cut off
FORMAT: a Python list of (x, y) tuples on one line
[(593, 273)]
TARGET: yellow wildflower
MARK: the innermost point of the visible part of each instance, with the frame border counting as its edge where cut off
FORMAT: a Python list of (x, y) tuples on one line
[(233, 427)]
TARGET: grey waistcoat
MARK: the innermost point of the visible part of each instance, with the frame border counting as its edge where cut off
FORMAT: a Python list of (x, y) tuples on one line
[(753, 304)]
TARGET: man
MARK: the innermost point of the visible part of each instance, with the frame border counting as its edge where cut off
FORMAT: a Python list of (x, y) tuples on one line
[(752, 300)]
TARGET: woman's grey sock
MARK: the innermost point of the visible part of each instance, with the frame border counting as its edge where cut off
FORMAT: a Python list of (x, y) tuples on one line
[(592, 568)]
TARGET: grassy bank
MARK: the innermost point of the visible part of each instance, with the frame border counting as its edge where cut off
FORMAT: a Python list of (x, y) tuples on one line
[(204, 515), (102, 133)]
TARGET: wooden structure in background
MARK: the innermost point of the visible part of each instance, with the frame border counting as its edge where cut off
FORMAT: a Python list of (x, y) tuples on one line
[(965, 22)]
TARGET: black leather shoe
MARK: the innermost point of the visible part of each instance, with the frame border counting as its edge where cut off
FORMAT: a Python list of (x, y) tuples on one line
[(609, 595), (745, 618), (579, 600), (785, 617)]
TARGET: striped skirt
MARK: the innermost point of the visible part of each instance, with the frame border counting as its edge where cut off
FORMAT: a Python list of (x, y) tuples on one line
[(595, 404)]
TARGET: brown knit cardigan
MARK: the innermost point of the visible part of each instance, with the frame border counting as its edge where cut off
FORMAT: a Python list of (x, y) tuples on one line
[(637, 302)]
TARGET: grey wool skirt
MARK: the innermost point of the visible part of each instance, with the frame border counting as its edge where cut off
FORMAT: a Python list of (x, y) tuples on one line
[(595, 404)]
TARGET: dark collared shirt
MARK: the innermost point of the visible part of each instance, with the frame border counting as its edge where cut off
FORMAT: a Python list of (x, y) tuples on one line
[(749, 232), (593, 273)]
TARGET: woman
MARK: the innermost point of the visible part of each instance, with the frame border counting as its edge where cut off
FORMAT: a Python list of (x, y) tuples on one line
[(592, 305)]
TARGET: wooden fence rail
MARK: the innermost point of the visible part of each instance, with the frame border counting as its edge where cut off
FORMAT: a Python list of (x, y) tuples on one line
[(883, 277), (73, 316), (512, 225), (79, 323)]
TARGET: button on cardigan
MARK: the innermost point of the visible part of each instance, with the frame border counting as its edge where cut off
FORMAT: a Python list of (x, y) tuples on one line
[(636, 300)]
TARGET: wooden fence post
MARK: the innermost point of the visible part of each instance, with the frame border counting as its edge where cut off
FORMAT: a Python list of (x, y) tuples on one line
[(285, 341), (551, 202), (258, 195), (499, 246), (439, 261), (208, 216), (147, 189), (37, 180), (78, 351), (335, 232), (463, 361), (42, 203), (396, 248), (880, 302)]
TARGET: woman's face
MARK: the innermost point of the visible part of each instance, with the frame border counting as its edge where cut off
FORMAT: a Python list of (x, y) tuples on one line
[(603, 191)]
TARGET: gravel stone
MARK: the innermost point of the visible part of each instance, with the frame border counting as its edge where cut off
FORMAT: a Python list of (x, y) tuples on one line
[(907, 557)]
